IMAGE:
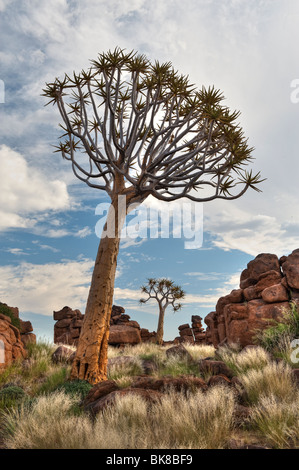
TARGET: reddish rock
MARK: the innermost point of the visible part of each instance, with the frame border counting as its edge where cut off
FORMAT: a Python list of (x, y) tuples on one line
[(184, 327), (150, 396), (217, 380), (186, 332), (100, 390), (66, 312), (290, 269), (276, 293), (179, 351), (11, 346), (261, 264), (265, 280), (62, 354), (124, 335), (211, 367), (235, 297), (26, 327), (28, 338), (179, 384)]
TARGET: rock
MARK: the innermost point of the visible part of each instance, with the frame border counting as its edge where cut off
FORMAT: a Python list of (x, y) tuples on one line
[(149, 367), (261, 264), (26, 327), (124, 335), (100, 390), (215, 368), (63, 323), (184, 327), (149, 396), (62, 354), (296, 375), (179, 351), (290, 269), (28, 338), (220, 379), (265, 280), (241, 415), (179, 384), (66, 312), (186, 332), (11, 346), (235, 297), (276, 293)]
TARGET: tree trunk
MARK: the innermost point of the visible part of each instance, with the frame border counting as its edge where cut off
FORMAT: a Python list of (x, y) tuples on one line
[(91, 358), (160, 329)]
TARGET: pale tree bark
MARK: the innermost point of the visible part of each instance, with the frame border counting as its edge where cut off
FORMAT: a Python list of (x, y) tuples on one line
[(91, 358)]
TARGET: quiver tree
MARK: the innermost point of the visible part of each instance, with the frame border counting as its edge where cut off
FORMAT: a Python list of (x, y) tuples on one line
[(166, 293), (134, 128)]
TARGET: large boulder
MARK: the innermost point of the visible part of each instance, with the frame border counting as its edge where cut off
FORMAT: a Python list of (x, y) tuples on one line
[(122, 334), (261, 264), (290, 268)]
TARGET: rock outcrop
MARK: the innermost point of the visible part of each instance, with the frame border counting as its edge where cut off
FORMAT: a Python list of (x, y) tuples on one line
[(266, 287), (11, 345), (14, 338), (194, 334), (123, 330)]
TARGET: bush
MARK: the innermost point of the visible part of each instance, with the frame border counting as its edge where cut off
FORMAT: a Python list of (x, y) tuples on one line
[(11, 396), (5, 310), (277, 338), (75, 388)]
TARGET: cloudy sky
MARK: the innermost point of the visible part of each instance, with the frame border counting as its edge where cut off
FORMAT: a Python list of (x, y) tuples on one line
[(247, 49)]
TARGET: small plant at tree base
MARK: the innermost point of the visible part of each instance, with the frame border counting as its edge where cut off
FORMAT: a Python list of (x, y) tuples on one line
[(166, 293)]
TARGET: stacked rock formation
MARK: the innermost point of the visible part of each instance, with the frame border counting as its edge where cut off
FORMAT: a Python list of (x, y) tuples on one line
[(13, 340), (194, 334), (123, 330), (266, 287)]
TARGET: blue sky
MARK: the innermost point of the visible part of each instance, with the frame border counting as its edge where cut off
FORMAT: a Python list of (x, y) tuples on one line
[(47, 218)]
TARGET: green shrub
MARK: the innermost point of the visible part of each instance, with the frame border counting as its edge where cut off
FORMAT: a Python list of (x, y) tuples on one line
[(274, 336), (75, 388), (11, 396), (55, 380), (5, 310)]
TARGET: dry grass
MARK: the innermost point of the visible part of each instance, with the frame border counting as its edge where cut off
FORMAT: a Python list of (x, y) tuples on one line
[(277, 421), (200, 351), (272, 380), (178, 421), (248, 359)]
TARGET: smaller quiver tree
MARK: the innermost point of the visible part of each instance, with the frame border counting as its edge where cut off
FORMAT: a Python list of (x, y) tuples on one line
[(166, 293)]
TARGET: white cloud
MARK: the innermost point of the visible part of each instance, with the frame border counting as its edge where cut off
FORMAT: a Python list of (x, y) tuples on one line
[(44, 288), (84, 232), (26, 191)]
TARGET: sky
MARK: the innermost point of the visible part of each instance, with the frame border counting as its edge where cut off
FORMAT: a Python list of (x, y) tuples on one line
[(48, 241)]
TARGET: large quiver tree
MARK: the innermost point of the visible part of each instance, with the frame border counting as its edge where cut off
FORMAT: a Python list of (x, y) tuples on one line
[(133, 129)]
